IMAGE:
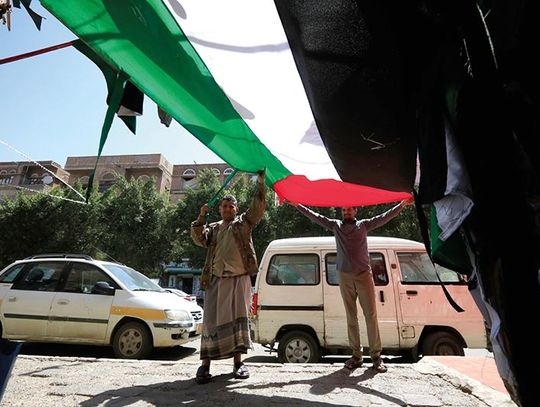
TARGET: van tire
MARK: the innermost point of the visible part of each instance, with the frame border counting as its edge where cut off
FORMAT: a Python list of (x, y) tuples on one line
[(132, 341), (442, 344), (298, 347)]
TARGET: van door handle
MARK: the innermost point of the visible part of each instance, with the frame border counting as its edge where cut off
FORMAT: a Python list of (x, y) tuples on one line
[(63, 302), (12, 299), (412, 292), (381, 295)]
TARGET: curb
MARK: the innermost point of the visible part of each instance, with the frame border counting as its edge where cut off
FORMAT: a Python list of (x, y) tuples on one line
[(463, 382)]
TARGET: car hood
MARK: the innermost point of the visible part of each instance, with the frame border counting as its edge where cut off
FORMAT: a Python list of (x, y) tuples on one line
[(162, 300)]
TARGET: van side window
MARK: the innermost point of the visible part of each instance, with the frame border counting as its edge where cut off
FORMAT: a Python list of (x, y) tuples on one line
[(43, 276), (293, 269), (378, 268), (416, 267)]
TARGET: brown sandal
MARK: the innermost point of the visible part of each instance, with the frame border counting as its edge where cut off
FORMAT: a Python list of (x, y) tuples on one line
[(353, 363), (379, 366)]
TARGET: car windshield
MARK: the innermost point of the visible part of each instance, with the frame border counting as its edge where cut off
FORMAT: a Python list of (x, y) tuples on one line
[(132, 279)]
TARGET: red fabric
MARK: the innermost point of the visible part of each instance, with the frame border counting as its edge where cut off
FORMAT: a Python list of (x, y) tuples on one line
[(329, 192)]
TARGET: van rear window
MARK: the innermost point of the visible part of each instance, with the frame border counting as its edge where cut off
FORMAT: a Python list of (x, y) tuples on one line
[(376, 261), (293, 269)]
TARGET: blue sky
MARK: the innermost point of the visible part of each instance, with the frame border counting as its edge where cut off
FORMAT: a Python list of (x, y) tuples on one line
[(52, 106)]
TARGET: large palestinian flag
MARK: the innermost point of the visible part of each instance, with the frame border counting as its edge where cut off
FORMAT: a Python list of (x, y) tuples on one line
[(225, 71)]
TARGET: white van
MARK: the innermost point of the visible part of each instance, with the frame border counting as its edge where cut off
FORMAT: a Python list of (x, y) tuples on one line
[(297, 303)]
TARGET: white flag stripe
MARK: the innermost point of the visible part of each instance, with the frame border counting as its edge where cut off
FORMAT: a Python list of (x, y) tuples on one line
[(243, 44)]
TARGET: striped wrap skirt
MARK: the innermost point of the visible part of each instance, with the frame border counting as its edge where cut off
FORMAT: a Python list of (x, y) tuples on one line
[(227, 303)]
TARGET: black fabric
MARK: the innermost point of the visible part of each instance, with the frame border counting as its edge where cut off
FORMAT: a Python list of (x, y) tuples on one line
[(352, 71), (164, 117), (405, 70), (133, 98), (36, 18)]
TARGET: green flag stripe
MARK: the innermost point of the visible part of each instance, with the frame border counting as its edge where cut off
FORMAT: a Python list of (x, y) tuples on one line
[(141, 38)]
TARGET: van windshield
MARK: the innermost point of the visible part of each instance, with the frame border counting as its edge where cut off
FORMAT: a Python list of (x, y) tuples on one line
[(416, 267), (133, 280)]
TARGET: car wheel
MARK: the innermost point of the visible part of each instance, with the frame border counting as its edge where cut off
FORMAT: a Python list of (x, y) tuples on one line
[(442, 344), (132, 341), (298, 347)]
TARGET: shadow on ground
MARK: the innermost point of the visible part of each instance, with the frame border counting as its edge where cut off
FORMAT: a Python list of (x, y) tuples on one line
[(87, 351), (224, 389)]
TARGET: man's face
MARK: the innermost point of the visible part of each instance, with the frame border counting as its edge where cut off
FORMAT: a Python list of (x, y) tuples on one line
[(348, 212), (227, 210)]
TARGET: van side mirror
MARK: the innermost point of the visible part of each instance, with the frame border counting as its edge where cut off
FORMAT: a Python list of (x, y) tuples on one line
[(102, 287)]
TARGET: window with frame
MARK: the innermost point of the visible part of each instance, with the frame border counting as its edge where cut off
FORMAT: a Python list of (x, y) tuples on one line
[(42, 276), (107, 180), (417, 268), (83, 277), (11, 274), (6, 179), (293, 269), (189, 174), (376, 261)]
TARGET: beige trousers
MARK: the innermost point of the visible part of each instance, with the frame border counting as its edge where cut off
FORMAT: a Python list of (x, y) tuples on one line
[(361, 286)]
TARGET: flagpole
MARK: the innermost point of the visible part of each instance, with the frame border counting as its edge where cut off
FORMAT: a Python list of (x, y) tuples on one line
[(36, 52)]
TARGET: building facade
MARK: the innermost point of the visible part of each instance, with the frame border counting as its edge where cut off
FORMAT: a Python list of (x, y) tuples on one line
[(142, 167), (29, 177), (186, 176)]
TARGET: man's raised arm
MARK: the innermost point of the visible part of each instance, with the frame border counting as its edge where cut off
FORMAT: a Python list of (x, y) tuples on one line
[(383, 218), (315, 217), (256, 210), (198, 228)]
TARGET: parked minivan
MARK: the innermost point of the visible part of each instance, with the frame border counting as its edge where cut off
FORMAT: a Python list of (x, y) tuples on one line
[(297, 302), (66, 298)]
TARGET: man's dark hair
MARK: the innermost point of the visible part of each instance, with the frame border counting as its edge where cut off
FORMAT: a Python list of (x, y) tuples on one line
[(229, 198)]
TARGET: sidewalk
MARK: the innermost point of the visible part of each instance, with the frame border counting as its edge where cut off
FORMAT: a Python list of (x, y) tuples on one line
[(482, 369), (71, 381)]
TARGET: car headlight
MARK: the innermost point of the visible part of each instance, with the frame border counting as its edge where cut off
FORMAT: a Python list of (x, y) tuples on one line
[(178, 315)]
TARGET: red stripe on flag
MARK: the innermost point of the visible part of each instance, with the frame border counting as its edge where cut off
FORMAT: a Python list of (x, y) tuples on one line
[(329, 192)]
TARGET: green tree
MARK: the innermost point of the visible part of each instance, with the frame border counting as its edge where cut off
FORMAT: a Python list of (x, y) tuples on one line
[(135, 220), (38, 224)]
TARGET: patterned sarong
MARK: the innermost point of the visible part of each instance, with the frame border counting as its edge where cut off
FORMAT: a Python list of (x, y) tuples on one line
[(226, 311)]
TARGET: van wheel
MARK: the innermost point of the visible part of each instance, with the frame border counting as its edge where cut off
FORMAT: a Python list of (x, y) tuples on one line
[(442, 344), (132, 341), (298, 347)]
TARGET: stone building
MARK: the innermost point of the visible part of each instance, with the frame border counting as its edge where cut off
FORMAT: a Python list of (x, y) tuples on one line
[(28, 176), (186, 176), (143, 167)]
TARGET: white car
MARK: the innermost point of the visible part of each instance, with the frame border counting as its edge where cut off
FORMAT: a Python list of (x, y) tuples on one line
[(196, 310), (76, 299), (183, 294)]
